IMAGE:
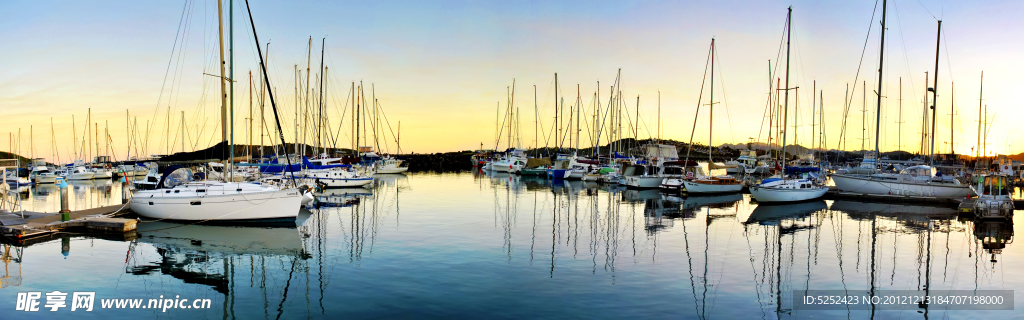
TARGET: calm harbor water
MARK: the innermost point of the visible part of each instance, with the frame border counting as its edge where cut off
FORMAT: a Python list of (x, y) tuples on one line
[(499, 246)]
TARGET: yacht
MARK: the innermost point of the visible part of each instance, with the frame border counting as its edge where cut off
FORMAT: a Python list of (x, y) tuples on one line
[(578, 168), (336, 177), (558, 167), (389, 165), (511, 162), (42, 174), (746, 161), (642, 176), (994, 200), (179, 198), (719, 184), (787, 190), (918, 181), (150, 180), (675, 173), (13, 179), (101, 172), (78, 173)]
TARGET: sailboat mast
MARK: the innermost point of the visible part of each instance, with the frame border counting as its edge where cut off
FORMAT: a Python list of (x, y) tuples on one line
[(536, 119), (296, 74), (881, 55), (263, 66), (249, 147), (785, 99), (924, 116), (935, 81), (183, 131), (74, 133), (352, 100), (558, 125), (320, 110), (231, 92), (899, 129), (305, 114), (578, 117), (223, 86), (711, 106), (88, 134), (981, 95)]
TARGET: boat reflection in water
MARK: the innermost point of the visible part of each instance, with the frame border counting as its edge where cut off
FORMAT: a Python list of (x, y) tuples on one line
[(994, 235), (772, 214), (862, 208), (450, 244)]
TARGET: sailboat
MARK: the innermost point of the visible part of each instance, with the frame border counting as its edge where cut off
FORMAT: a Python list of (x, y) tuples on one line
[(785, 189), (920, 182), (177, 197), (709, 184)]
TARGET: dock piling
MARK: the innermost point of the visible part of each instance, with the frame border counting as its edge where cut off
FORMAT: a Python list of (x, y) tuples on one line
[(125, 193), (65, 211)]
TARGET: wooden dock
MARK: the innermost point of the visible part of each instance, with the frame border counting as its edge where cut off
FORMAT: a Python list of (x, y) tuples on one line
[(38, 224)]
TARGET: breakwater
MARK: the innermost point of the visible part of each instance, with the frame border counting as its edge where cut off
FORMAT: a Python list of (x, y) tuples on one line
[(439, 162)]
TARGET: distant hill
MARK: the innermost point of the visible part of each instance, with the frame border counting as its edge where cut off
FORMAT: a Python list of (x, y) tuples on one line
[(7, 155), (790, 149)]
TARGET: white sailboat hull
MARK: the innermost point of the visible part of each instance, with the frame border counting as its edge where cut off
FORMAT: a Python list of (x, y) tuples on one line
[(344, 183), (574, 174), (392, 170), (696, 187), (867, 186), (80, 176), (769, 194), (642, 182), (264, 205), (504, 166)]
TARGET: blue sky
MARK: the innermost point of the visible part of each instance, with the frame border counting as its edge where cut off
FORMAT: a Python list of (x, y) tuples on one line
[(440, 67)]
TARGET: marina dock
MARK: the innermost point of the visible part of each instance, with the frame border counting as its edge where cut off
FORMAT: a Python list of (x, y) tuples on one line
[(38, 224)]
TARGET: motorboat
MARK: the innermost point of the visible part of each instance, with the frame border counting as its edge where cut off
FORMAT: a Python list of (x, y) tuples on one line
[(78, 173), (746, 161), (101, 172), (14, 179), (674, 173), (389, 165), (994, 199), (641, 176), (578, 168), (761, 166), (150, 180), (512, 162), (558, 167), (42, 175)]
